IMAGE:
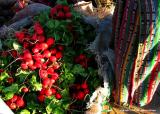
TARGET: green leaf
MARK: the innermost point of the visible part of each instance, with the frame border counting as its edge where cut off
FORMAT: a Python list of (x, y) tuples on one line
[(32, 103), (1, 87), (0, 44), (57, 36), (58, 110), (3, 62), (9, 95), (65, 104), (3, 75), (63, 2), (67, 38), (43, 17), (25, 111), (16, 46), (50, 108), (65, 93), (22, 75), (13, 88), (56, 23), (36, 86), (33, 80), (33, 111), (50, 24), (78, 69)]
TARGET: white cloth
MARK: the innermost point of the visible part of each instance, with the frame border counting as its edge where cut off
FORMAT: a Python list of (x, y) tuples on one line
[(4, 109)]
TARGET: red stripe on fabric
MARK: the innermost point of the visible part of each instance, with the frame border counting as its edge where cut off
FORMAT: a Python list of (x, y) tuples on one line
[(151, 23), (151, 82), (159, 56), (121, 31), (130, 93), (154, 69)]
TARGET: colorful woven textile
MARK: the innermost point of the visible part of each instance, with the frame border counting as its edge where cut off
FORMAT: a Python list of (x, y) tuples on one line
[(136, 33)]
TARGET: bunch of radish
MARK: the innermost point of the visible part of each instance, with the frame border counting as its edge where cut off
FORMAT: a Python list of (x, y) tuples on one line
[(60, 12), (41, 53)]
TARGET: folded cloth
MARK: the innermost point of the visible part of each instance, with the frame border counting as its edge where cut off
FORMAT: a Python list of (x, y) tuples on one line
[(136, 35), (4, 109)]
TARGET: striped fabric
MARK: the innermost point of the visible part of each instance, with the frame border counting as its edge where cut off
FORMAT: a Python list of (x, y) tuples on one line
[(136, 33)]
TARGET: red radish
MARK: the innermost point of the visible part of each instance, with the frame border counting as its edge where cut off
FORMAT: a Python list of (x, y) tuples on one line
[(60, 15), (1, 70), (84, 85), (48, 92), (59, 55), (34, 37), (14, 53), (55, 76), (58, 96), (66, 9), (43, 46), (20, 36), (38, 28), (42, 92), (78, 86), (35, 50), (53, 59), (10, 80), (53, 51), (41, 38), (81, 95), (29, 62), (52, 81), (25, 90), (43, 73), (46, 53), (12, 106), (68, 15), (8, 102), (26, 51), (60, 47), (82, 57), (56, 66), (24, 66), (50, 70), (4, 54), (53, 91), (83, 64), (20, 102), (41, 98), (33, 67), (46, 82), (27, 55), (44, 66), (37, 56), (59, 7), (25, 45), (77, 59), (37, 64), (14, 98), (86, 91), (50, 41), (53, 11)]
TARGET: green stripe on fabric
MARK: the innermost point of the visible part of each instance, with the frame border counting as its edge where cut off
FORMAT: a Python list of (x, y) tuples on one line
[(143, 99)]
